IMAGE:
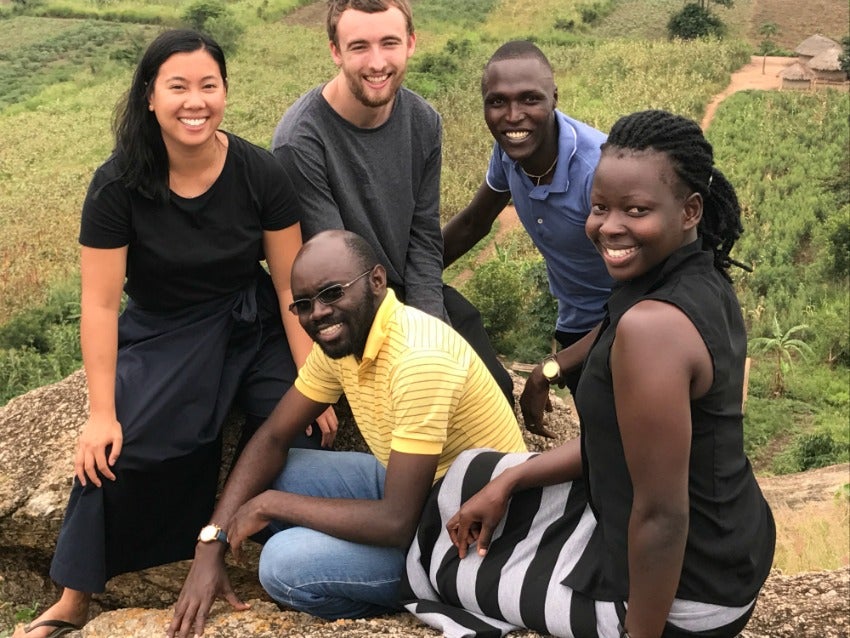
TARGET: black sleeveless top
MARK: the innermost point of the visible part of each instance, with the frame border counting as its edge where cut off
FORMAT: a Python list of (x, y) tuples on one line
[(731, 536)]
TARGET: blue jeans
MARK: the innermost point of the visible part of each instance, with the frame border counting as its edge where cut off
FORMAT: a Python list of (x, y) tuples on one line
[(321, 574)]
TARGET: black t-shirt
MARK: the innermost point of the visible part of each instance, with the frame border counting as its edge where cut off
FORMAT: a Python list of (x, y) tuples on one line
[(192, 250)]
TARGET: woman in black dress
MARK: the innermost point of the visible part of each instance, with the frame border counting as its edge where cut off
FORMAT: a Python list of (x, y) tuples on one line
[(651, 524), (179, 217)]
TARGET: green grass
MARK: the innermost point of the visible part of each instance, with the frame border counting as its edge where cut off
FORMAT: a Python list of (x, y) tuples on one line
[(647, 19), (31, 67), (62, 77)]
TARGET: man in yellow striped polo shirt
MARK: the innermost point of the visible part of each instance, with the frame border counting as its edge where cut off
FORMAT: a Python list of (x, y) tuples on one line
[(343, 520)]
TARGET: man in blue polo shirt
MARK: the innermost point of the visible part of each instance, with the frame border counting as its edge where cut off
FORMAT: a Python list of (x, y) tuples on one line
[(545, 161)]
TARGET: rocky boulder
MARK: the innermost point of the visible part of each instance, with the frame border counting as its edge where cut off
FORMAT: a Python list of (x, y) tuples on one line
[(38, 432)]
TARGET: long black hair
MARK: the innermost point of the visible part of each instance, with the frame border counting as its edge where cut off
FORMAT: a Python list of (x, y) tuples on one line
[(692, 158), (139, 147)]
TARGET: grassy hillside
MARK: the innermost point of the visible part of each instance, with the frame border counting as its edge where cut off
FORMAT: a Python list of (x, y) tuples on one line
[(63, 65)]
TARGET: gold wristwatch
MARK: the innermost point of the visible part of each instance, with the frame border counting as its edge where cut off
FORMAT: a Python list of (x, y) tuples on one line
[(210, 533), (551, 369)]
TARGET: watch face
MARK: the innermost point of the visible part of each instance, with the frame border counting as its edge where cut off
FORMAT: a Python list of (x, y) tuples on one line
[(551, 369), (208, 533)]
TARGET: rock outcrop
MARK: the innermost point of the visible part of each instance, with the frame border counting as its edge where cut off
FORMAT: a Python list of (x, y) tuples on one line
[(38, 432)]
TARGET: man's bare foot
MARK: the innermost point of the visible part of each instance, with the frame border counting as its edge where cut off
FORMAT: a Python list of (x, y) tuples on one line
[(72, 607)]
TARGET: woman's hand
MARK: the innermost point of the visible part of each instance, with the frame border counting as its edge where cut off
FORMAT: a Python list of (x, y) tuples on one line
[(478, 517), (99, 435)]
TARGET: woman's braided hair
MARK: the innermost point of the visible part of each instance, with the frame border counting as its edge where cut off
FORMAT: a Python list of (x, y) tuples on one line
[(692, 158)]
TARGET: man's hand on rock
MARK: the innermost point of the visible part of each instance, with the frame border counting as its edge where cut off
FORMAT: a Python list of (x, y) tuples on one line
[(207, 580)]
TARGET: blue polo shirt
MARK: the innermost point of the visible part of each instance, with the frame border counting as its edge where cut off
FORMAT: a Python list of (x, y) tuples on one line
[(554, 215)]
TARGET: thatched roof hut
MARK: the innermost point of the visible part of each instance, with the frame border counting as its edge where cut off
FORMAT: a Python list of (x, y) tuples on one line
[(796, 76), (813, 45), (827, 66)]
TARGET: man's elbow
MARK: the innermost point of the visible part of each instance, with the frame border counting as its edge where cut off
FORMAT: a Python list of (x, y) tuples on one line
[(398, 530)]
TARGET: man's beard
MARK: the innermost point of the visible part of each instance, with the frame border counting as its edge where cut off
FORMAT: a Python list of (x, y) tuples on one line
[(359, 326), (356, 86)]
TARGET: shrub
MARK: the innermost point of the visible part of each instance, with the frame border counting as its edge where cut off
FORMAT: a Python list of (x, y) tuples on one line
[(519, 312), (200, 12), (41, 345), (844, 58), (496, 290), (562, 24), (213, 17), (589, 14), (815, 450), (693, 22)]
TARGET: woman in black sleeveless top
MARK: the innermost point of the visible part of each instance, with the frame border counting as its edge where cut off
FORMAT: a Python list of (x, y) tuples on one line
[(651, 524)]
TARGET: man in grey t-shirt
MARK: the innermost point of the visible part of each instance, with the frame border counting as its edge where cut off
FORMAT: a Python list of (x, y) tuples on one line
[(364, 154)]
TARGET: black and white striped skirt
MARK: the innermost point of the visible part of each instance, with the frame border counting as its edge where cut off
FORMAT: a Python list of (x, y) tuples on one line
[(518, 583)]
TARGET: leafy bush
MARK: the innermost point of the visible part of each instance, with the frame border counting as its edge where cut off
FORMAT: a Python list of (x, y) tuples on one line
[(519, 312), (41, 345), (844, 58), (200, 12), (693, 22), (213, 17), (435, 71), (562, 24), (496, 289), (815, 450)]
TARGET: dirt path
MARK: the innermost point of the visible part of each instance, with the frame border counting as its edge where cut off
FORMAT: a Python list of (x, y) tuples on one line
[(749, 76)]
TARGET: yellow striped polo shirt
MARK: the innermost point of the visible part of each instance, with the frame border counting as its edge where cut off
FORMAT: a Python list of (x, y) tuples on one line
[(419, 389)]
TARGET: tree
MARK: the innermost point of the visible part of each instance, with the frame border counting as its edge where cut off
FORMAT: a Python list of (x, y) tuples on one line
[(768, 30), (214, 18), (844, 58), (695, 21), (785, 346)]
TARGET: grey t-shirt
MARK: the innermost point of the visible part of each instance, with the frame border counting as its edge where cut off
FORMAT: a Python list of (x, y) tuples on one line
[(382, 183)]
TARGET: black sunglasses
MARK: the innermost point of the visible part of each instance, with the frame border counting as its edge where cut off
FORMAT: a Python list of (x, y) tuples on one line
[(328, 296)]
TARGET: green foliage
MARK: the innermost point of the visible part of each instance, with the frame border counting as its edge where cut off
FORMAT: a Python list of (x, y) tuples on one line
[(783, 346), (41, 345), (783, 151), (512, 293), (439, 13), (787, 156), (26, 613), (767, 46), (815, 450), (63, 55), (213, 17), (695, 21), (844, 58), (200, 12), (563, 24), (436, 71), (496, 289), (816, 401)]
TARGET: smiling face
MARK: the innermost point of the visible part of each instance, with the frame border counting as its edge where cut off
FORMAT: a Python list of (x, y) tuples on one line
[(371, 52), (519, 107), (188, 98), (341, 328), (641, 212)]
